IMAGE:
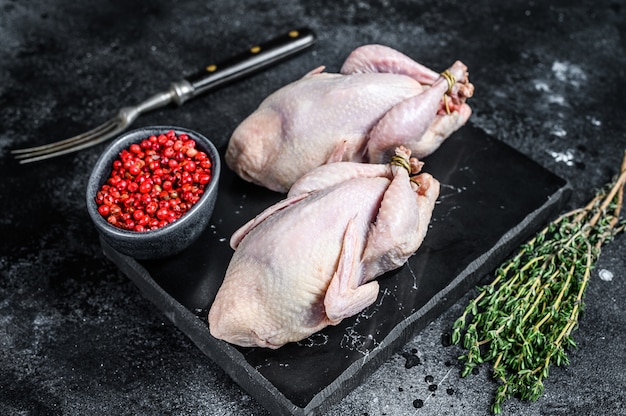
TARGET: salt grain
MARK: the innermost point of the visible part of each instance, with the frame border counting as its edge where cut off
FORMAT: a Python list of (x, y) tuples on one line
[(605, 275)]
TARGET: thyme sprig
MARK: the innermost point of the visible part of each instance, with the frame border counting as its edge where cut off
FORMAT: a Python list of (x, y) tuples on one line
[(522, 321)]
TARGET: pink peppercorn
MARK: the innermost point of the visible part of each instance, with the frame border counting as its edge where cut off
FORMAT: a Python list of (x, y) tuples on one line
[(154, 182)]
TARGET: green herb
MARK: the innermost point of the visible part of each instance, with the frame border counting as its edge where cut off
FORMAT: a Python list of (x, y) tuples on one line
[(522, 322)]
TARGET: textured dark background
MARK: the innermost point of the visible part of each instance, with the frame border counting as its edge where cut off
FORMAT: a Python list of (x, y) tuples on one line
[(76, 336)]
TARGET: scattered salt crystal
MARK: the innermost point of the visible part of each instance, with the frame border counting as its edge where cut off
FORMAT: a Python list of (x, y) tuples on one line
[(605, 275), (542, 86), (569, 73), (595, 122), (566, 157), (559, 131)]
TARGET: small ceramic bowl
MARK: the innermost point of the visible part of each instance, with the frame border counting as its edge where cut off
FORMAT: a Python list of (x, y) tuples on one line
[(171, 238)]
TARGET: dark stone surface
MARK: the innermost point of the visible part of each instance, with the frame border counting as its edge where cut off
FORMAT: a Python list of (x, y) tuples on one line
[(76, 335)]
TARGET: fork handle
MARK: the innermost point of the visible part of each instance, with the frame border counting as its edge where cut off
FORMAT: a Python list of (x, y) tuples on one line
[(247, 63)]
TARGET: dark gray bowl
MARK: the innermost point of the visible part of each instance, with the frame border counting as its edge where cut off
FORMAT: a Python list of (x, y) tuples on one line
[(172, 238)]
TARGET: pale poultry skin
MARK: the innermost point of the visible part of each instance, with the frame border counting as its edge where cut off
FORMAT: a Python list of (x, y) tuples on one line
[(310, 260), (381, 99)]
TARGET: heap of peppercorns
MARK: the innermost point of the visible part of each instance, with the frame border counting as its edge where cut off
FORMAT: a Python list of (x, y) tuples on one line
[(154, 182)]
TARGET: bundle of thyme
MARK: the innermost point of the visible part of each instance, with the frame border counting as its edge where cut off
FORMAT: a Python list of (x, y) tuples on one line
[(523, 321)]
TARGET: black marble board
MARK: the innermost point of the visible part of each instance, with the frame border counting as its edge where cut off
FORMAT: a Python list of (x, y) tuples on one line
[(492, 199)]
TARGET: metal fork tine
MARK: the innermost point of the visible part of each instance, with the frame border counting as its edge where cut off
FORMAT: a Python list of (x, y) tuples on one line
[(61, 144), (73, 144)]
